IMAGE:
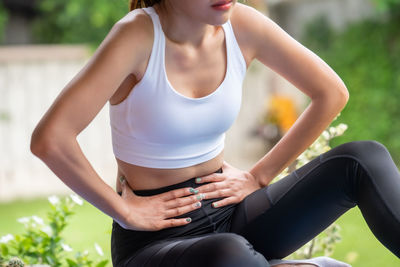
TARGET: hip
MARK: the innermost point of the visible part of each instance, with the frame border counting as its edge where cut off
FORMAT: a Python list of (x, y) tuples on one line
[(205, 220)]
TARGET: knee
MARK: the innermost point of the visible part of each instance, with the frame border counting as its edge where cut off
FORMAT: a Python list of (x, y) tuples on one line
[(361, 149), (230, 249)]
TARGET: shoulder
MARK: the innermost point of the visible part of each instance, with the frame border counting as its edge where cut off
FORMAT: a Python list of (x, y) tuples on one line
[(252, 28), (131, 36), (135, 26), (246, 22)]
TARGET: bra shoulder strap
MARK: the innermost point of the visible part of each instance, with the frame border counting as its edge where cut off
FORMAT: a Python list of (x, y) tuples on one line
[(238, 61)]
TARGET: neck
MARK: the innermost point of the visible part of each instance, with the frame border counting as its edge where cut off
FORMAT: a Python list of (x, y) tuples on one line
[(182, 29)]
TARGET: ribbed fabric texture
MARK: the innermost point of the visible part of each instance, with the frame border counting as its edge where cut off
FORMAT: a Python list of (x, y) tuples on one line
[(158, 127)]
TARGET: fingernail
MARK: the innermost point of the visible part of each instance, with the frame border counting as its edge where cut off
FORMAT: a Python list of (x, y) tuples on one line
[(201, 196), (122, 179), (197, 204), (198, 180), (215, 205), (188, 219), (194, 191)]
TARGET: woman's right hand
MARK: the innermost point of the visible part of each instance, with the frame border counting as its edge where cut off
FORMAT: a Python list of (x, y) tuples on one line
[(153, 213)]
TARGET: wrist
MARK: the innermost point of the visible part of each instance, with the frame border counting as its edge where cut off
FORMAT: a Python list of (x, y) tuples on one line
[(122, 213), (262, 179)]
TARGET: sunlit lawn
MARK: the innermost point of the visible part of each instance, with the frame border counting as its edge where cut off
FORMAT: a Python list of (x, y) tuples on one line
[(88, 226)]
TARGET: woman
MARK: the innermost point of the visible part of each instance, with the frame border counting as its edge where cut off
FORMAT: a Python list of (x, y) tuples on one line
[(172, 73)]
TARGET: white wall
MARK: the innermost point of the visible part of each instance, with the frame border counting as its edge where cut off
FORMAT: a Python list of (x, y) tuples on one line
[(30, 79)]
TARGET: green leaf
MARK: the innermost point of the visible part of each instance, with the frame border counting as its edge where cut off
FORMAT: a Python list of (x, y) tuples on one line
[(71, 263), (102, 263), (4, 250)]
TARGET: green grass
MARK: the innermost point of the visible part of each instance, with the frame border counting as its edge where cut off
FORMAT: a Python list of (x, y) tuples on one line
[(359, 247)]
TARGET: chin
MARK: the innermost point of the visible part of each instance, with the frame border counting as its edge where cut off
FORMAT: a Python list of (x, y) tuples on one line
[(216, 21)]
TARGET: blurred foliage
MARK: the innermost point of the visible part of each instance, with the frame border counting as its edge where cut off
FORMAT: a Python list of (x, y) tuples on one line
[(76, 21), (366, 55), (42, 242), (391, 6), (79, 21), (3, 20)]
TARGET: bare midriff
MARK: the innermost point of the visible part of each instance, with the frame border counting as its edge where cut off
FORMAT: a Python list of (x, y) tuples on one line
[(143, 178)]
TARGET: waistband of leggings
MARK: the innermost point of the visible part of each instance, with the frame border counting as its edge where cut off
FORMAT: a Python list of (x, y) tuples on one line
[(188, 183)]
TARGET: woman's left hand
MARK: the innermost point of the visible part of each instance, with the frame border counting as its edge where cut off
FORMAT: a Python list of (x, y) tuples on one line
[(232, 184)]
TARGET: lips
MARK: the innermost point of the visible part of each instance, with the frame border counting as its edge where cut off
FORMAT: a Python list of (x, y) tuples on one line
[(221, 3)]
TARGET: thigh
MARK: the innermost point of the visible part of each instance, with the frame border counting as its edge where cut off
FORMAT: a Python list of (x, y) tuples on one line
[(280, 218), (211, 250)]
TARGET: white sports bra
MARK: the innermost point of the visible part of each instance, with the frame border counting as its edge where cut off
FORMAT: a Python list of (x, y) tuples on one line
[(157, 127)]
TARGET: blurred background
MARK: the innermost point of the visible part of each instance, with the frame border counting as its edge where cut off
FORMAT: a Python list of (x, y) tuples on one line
[(44, 43)]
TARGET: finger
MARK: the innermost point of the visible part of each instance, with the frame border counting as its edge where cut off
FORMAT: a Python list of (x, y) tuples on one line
[(210, 187), (181, 210), (225, 201), (214, 177), (176, 193), (175, 222), (183, 201), (217, 194)]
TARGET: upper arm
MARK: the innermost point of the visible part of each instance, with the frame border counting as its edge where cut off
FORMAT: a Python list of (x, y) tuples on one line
[(119, 54), (275, 48)]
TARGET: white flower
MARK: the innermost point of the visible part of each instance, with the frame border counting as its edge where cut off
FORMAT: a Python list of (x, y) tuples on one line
[(37, 219), (53, 200), (47, 230), (66, 247), (24, 220), (325, 135), (6, 238), (76, 199), (341, 128), (332, 130), (98, 249)]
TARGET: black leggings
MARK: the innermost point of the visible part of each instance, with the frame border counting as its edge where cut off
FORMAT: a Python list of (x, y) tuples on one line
[(276, 220)]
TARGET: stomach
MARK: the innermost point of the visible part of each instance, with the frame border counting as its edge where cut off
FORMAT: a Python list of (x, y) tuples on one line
[(144, 178)]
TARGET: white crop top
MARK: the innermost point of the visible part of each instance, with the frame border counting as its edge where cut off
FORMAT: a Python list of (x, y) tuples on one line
[(158, 127)]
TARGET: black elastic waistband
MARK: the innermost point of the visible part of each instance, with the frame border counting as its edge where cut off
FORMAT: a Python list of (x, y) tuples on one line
[(188, 183)]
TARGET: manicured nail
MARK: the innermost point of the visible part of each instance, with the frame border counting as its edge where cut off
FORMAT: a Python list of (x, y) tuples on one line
[(188, 219), (198, 180), (122, 179), (199, 197), (197, 204), (215, 205), (193, 191)]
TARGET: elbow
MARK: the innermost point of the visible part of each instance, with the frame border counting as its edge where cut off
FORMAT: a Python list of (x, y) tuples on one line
[(38, 145), (334, 100), (337, 98), (343, 97), (41, 144)]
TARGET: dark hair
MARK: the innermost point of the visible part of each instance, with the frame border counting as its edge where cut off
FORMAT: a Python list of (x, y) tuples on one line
[(133, 4)]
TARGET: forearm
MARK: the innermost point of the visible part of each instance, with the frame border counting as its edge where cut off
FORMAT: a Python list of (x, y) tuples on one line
[(66, 159), (307, 128)]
